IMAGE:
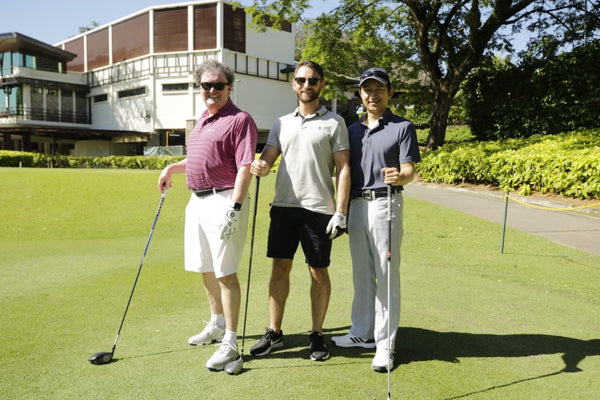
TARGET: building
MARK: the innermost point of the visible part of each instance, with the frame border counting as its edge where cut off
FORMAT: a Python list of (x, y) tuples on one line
[(129, 84)]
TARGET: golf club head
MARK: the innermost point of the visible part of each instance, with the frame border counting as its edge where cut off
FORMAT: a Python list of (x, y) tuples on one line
[(235, 367), (104, 357)]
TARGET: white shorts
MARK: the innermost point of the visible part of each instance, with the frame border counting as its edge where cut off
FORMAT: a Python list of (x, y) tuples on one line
[(204, 249)]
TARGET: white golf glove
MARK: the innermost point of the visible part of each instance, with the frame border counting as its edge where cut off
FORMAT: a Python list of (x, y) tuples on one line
[(336, 225), (230, 223)]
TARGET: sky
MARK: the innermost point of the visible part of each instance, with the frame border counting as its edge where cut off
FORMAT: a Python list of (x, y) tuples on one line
[(52, 21)]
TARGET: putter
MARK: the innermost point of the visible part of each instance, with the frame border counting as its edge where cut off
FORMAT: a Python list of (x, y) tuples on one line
[(389, 286), (105, 357), (235, 367)]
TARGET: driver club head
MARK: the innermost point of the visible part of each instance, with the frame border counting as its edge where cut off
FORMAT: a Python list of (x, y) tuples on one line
[(235, 367), (104, 357)]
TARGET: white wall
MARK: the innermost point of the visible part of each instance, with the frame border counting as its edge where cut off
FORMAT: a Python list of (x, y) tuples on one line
[(264, 99), (125, 113), (272, 45), (172, 109)]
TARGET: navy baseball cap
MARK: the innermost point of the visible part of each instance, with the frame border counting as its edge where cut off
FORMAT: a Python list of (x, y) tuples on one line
[(379, 74)]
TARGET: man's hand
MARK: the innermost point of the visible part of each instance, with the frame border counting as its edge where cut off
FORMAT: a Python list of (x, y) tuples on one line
[(336, 226), (260, 168), (230, 224)]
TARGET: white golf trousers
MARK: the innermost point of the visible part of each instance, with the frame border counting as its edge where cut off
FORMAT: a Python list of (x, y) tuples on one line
[(368, 230)]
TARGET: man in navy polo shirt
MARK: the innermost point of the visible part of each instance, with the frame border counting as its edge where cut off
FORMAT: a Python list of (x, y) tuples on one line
[(383, 151)]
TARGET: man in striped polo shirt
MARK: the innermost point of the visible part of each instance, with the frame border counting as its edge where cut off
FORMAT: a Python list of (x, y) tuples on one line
[(220, 150)]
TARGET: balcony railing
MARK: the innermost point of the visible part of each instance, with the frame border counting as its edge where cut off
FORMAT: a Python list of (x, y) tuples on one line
[(40, 114), (183, 65)]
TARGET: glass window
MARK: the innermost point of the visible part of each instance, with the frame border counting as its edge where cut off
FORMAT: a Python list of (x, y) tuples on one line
[(2, 102), (132, 92), (30, 61), (15, 101), (46, 64), (175, 87), (17, 60), (100, 98), (5, 63)]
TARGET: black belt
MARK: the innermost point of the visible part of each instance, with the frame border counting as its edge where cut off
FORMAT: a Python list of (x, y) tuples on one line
[(370, 194), (206, 192)]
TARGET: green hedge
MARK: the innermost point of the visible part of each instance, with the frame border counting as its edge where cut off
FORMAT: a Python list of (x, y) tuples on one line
[(551, 96), (40, 160), (567, 164)]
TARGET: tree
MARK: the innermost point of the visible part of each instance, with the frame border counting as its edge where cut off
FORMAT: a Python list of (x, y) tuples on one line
[(83, 29), (446, 39)]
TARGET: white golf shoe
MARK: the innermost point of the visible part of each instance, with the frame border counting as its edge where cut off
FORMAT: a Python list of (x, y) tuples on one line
[(383, 360), (210, 334), (349, 340), (225, 354)]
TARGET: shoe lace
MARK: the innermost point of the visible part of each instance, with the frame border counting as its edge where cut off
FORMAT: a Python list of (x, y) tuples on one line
[(226, 348), (270, 334)]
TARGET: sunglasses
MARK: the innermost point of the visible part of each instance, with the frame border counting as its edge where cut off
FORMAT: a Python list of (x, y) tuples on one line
[(217, 85), (375, 73), (311, 81)]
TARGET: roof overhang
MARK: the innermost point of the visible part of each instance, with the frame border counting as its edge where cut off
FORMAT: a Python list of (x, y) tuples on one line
[(14, 41)]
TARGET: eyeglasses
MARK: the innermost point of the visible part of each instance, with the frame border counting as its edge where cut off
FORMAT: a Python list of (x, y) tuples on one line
[(217, 85), (311, 81)]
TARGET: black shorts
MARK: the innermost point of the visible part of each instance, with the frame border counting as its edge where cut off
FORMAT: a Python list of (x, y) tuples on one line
[(290, 226)]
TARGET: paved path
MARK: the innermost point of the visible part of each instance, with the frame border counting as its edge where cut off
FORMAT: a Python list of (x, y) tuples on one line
[(575, 229)]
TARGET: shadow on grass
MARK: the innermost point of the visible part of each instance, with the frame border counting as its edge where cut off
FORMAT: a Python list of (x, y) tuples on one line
[(415, 344), (296, 346)]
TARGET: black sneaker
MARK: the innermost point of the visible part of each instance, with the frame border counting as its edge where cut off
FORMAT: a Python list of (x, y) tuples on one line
[(269, 342), (318, 350)]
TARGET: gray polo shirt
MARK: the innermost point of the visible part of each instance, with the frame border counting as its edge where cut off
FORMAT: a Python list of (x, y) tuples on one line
[(304, 178), (392, 142)]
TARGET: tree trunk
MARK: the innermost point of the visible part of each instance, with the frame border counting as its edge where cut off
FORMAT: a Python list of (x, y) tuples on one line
[(439, 120)]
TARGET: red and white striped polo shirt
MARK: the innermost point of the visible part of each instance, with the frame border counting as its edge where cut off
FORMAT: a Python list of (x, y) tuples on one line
[(218, 146)]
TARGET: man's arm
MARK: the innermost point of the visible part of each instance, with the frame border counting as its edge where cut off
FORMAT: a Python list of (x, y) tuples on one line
[(342, 179), (399, 178), (242, 183), (164, 180), (262, 166)]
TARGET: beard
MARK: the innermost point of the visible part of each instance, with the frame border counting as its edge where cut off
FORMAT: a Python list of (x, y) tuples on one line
[(308, 97)]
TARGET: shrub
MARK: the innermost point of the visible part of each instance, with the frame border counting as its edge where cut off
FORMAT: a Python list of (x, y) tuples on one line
[(41, 160), (567, 164)]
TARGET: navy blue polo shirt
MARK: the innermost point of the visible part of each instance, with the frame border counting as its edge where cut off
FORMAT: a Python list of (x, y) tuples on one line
[(392, 142)]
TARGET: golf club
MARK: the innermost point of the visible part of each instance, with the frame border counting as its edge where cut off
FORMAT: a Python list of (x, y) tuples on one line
[(389, 286), (235, 367), (105, 357)]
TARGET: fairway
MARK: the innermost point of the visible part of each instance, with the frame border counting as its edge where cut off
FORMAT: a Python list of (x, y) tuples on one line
[(475, 324)]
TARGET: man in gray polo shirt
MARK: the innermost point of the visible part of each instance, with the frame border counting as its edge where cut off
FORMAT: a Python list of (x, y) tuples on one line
[(383, 151), (312, 142)]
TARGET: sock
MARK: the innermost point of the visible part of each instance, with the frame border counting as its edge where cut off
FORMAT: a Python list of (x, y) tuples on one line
[(218, 320), (230, 337)]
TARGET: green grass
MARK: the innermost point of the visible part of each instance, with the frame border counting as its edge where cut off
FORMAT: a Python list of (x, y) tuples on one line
[(475, 324), (454, 134)]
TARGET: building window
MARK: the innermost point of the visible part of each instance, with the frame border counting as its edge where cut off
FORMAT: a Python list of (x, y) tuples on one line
[(131, 92), (175, 87), (101, 98)]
